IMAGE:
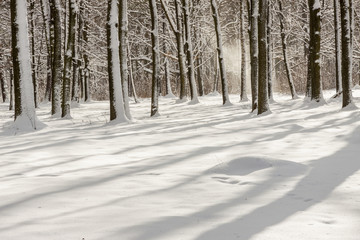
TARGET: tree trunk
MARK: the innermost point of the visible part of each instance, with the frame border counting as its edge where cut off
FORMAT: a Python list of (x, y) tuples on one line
[(284, 50), (117, 111), (225, 93), (57, 65), (2, 86), (155, 59), (66, 100), (254, 52), (33, 57), (314, 48), (346, 52), (45, 10), (263, 66), (270, 56), (337, 28), (123, 39), (11, 105), (190, 53), (25, 116), (243, 94)]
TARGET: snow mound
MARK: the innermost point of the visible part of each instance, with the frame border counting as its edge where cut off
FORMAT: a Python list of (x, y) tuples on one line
[(247, 165)]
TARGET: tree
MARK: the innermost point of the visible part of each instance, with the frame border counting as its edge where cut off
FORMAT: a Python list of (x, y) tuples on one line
[(25, 116), (243, 94), (263, 66), (177, 28), (337, 28), (190, 53), (155, 58), (225, 94), (117, 111), (254, 51), (57, 65), (284, 50), (123, 38), (346, 52), (67, 75), (314, 50)]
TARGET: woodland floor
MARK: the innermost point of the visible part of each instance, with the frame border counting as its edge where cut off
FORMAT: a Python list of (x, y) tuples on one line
[(197, 172)]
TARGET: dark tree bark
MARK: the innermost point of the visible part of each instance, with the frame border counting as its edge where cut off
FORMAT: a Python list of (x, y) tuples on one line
[(314, 50), (225, 94), (155, 58), (45, 11), (190, 53), (269, 55), (284, 50), (33, 57), (346, 52), (57, 65), (337, 28), (66, 99), (263, 66), (254, 8), (243, 94), (2, 86)]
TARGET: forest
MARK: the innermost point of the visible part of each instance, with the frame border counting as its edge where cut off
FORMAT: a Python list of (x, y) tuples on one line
[(179, 119), (174, 48)]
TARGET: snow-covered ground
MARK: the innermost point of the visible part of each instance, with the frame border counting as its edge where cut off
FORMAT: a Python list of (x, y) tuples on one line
[(197, 172)]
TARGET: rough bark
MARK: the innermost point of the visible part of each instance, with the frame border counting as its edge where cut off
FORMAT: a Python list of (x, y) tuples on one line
[(285, 54), (243, 93), (263, 66), (155, 58), (67, 76), (190, 53), (346, 52), (219, 42), (337, 28), (314, 48), (117, 111), (254, 8), (123, 39)]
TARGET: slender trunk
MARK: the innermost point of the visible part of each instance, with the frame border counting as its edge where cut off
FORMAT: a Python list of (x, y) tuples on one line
[(155, 58), (2, 86), (190, 53), (57, 64), (254, 52), (315, 41), (66, 100), (181, 55), (284, 50), (33, 57), (117, 111), (346, 52), (131, 76), (215, 12), (263, 71), (11, 105), (45, 10), (123, 39), (86, 70), (269, 55), (337, 27), (75, 63), (243, 94)]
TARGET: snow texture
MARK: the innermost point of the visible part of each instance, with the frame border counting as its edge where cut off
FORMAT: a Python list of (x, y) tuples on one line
[(197, 172)]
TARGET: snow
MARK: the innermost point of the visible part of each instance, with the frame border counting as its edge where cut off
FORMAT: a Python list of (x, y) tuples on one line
[(197, 172)]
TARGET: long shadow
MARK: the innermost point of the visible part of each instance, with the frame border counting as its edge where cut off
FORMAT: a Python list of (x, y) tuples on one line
[(326, 174)]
